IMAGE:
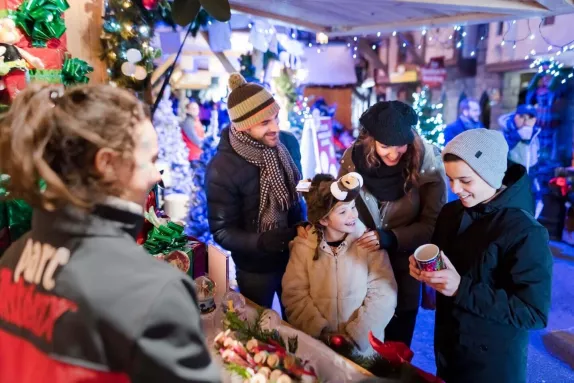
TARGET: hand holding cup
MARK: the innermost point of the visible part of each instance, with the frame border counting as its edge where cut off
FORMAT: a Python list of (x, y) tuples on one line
[(431, 266)]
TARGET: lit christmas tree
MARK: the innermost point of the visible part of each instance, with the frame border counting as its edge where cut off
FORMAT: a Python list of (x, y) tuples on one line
[(431, 124), (172, 150), (126, 40)]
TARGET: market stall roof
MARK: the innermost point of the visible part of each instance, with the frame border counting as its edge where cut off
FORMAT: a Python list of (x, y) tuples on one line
[(352, 17)]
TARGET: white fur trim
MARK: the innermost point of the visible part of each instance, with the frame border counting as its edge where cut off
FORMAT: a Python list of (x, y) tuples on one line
[(338, 193), (357, 176)]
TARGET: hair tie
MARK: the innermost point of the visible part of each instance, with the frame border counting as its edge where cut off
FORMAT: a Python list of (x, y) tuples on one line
[(55, 96)]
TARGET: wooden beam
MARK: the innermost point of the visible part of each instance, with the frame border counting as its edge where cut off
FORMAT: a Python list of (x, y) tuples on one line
[(290, 21), (510, 6), (557, 6), (406, 25), (420, 61), (160, 70), (367, 51), (220, 56)]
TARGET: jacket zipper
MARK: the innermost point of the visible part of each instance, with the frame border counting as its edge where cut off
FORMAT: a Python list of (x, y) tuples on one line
[(384, 213), (337, 278)]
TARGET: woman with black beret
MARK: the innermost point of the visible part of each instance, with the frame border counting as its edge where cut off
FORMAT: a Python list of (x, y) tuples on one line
[(403, 192)]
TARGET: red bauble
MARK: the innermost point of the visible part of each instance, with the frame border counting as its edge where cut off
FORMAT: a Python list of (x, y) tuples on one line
[(337, 340), (150, 4)]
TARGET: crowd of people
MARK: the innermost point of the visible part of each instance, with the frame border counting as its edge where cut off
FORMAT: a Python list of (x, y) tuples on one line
[(338, 252)]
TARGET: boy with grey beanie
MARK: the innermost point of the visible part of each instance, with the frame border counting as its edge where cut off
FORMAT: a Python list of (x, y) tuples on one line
[(497, 282), (485, 151)]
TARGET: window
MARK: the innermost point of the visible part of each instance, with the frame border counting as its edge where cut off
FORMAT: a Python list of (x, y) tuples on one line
[(500, 28), (548, 20)]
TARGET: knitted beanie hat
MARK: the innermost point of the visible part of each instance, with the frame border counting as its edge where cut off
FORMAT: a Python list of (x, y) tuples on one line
[(390, 123), (325, 192), (484, 150), (249, 104)]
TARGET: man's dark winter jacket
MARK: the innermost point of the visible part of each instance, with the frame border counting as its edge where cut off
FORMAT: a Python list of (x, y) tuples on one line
[(233, 209), (81, 302), (501, 253)]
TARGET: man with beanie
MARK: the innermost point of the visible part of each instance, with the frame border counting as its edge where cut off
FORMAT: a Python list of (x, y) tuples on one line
[(253, 205), (497, 282)]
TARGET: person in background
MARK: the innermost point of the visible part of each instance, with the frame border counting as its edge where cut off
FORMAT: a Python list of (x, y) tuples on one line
[(80, 301), (253, 205), (404, 190), (333, 286), (468, 119), (402, 95), (497, 282), (521, 134), (192, 130)]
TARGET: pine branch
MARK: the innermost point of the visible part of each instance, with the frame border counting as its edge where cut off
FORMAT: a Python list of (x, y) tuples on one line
[(247, 331)]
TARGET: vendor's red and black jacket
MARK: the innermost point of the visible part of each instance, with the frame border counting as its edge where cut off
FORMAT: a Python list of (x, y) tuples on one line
[(81, 302)]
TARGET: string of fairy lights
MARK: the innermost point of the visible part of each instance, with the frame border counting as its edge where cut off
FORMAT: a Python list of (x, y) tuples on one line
[(436, 37)]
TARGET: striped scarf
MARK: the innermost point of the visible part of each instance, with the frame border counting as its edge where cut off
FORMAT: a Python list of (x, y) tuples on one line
[(278, 177)]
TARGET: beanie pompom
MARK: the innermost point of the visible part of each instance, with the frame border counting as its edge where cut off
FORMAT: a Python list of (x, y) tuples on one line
[(236, 80)]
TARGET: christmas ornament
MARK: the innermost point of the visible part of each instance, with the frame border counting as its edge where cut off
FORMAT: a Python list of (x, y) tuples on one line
[(140, 73), (179, 259), (205, 289), (128, 69), (270, 320), (133, 55), (337, 340), (150, 4)]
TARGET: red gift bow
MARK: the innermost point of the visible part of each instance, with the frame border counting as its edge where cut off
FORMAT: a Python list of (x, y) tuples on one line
[(398, 353), (147, 226)]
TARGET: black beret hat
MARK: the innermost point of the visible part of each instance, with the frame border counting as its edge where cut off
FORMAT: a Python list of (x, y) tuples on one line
[(390, 122)]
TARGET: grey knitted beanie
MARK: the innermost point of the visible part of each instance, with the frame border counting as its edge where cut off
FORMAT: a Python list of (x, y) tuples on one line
[(484, 150)]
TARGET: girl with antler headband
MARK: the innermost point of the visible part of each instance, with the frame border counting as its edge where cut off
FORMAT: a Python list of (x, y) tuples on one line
[(333, 286)]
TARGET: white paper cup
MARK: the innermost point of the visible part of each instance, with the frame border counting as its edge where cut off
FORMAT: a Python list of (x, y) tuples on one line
[(176, 206), (428, 258)]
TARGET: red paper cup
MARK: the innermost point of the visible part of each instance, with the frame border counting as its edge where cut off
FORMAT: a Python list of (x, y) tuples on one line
[(428, 258)]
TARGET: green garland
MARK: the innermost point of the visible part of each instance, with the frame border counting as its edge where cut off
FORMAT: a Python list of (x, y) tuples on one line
[(248, 331)]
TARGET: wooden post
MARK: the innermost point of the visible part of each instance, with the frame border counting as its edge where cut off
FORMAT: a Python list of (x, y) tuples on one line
[(84, 26)]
